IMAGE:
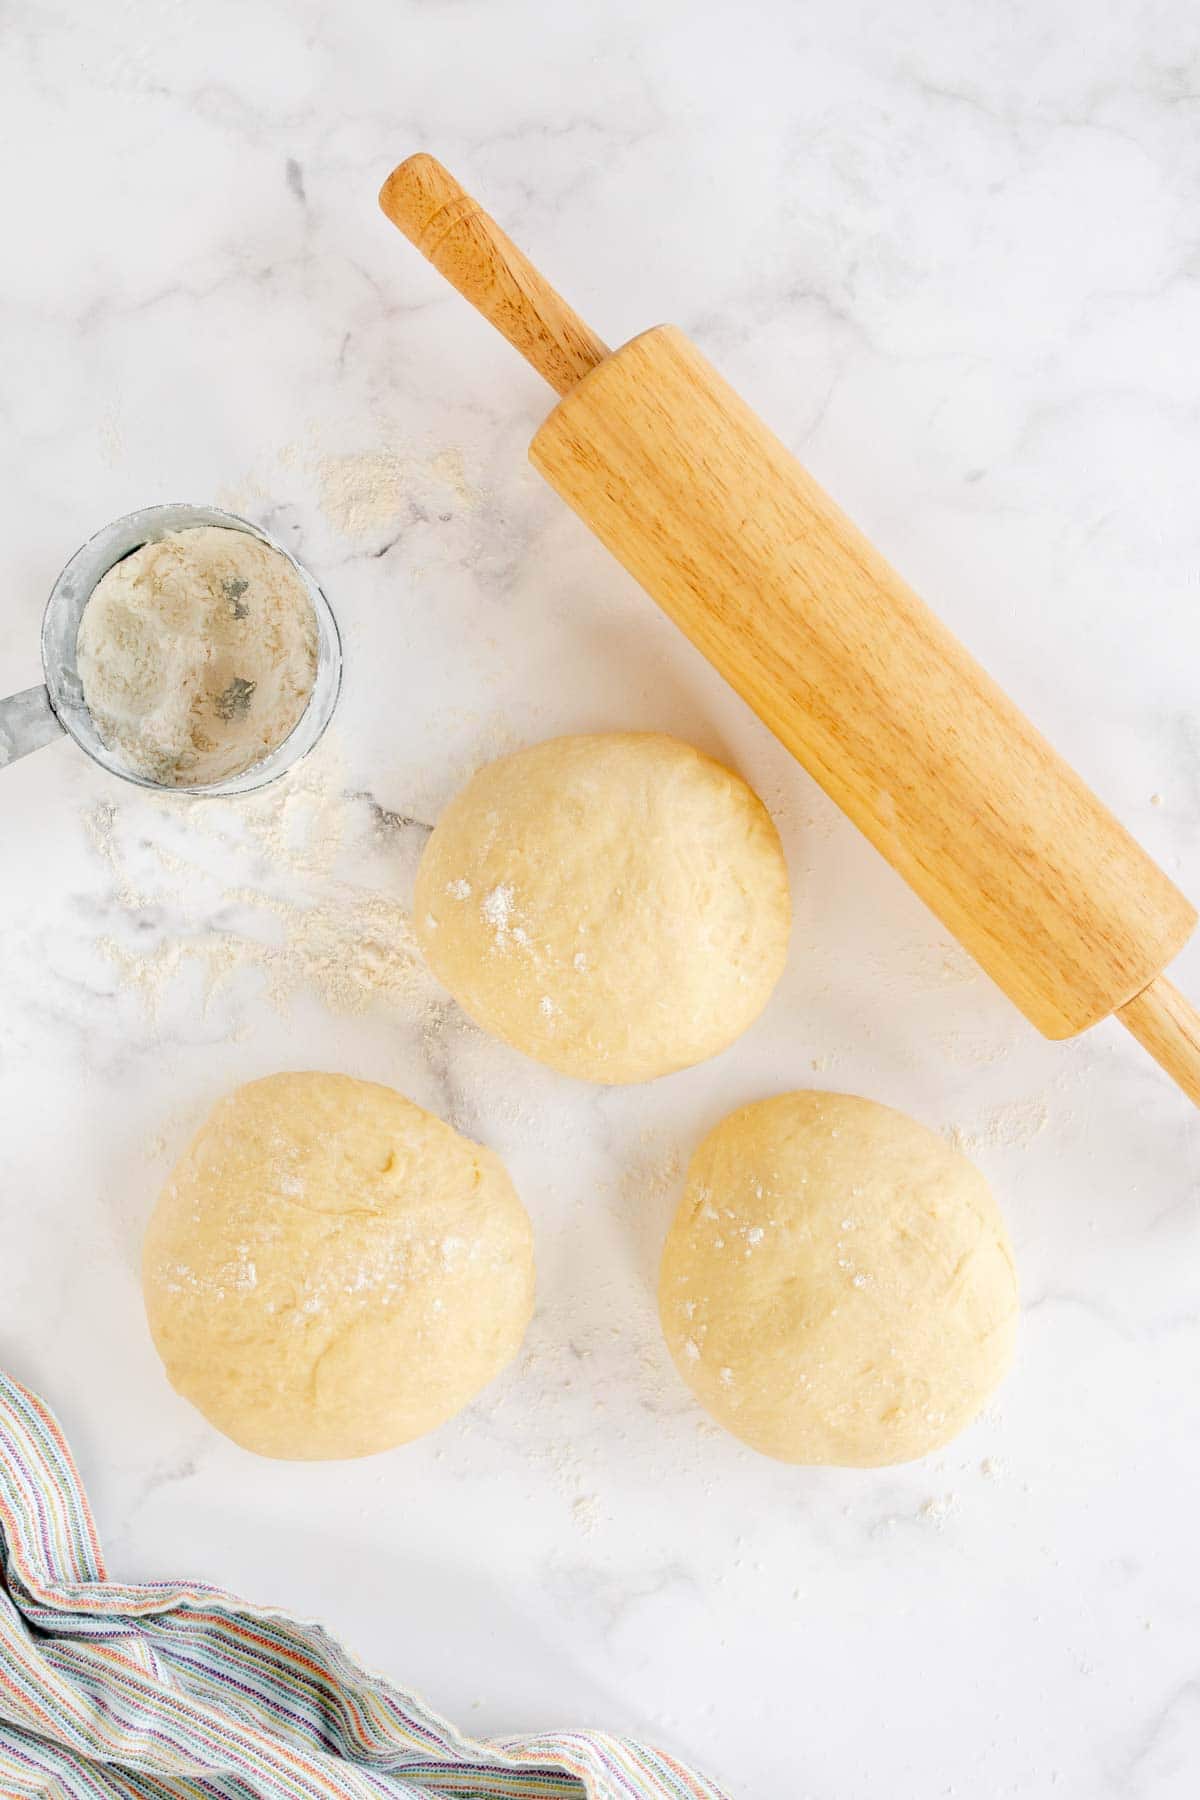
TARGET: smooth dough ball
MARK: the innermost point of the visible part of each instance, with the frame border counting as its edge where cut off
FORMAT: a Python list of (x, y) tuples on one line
[(838, 1285), (616, 906), (331, 1271)]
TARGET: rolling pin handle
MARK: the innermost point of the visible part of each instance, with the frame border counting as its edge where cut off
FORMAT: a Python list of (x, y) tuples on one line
[(1168, 1026), (452, 231)]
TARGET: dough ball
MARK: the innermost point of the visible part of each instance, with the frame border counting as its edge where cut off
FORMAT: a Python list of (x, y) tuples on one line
[(615, 906), (838, 1285), (331, 1271)]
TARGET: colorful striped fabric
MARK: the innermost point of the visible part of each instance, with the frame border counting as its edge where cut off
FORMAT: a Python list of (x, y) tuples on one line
[(163, 1690)]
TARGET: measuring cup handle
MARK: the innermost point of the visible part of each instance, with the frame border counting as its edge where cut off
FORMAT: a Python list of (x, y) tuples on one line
[(27, 721)]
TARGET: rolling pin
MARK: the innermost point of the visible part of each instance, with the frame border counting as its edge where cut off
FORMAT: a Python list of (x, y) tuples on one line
[(841, 659)]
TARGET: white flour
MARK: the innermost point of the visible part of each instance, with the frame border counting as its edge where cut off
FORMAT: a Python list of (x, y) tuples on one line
[(364, 492), (281, 908), (197, 655)]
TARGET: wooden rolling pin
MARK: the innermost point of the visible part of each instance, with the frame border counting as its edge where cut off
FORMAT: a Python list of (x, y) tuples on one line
[(847, 666)]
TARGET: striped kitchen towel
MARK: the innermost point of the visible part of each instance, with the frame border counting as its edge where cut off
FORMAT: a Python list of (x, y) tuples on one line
[(162, 1690)]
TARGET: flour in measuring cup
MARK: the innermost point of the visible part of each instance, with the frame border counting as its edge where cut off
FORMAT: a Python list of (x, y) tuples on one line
[(197, 655)]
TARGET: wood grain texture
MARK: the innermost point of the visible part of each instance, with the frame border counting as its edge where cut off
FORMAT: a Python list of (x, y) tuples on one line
[(454, 233), (1168, 1026), (850, 669)]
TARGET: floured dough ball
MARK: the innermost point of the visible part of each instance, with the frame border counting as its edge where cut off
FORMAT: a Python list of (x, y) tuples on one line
[(331, 1271), (615, 906), (838, 1285)]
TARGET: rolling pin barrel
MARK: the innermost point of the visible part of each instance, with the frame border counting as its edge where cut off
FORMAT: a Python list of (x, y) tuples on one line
[(901, 727), (798, 611)]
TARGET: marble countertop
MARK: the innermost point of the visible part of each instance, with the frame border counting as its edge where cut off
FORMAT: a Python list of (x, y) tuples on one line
[(951, 254)]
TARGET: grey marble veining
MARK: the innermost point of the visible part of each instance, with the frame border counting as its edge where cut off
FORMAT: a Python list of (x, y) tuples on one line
[(952, 255)]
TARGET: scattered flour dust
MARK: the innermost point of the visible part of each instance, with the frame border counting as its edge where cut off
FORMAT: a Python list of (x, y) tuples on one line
[(1013, 1126), (350, 949), (99, 823), (585, 1511), (652, 1175), (288, 914), (938, 1509), (360, 493), (366, 491)]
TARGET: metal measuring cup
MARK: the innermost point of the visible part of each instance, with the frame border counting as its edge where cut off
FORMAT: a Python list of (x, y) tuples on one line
[(39, 715)]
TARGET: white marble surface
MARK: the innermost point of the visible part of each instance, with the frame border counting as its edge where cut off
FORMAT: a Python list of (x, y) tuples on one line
[(951, 253)]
